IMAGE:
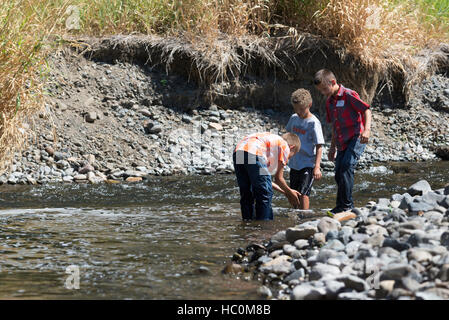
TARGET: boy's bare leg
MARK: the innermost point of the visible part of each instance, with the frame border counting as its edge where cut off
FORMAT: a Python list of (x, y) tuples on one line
[(304, 203)]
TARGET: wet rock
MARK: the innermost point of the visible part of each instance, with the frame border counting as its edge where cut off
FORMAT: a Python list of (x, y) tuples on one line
[(202, 270), (233, 268)]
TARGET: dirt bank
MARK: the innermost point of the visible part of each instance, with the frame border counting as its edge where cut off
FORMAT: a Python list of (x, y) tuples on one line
[(128, 107)]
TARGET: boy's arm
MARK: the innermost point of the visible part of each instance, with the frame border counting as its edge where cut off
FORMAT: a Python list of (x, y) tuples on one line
[(291, 195), (317, 170), (367, 131), (277, 188), (331, 153)]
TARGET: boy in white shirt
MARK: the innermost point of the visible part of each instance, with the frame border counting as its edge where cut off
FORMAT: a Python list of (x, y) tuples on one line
[(305, 165)]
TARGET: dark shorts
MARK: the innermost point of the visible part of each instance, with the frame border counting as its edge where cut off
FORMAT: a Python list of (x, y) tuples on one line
[(302, 180)]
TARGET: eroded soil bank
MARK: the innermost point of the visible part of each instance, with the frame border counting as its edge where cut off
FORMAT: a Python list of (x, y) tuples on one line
[(128, 107)]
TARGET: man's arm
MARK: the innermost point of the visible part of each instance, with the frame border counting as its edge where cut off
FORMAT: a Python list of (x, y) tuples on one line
[(367, 131), (291, 195)]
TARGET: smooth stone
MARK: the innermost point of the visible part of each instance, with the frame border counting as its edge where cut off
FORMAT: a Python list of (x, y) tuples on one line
[(352, 296), (443, 275), (405, 201), (419, 188), (352, 248), (333, 288), (385, 288), (434, 217), (396, 271), (319, 238), (289, 249), (444, 240), (325, 254), (395, 244), (278, 265), (335, 245), (301, 244), (279, 236), (307, 292), (293, 234), (354, 283), (331, 235), (265, 292), (296, 275), (419, 255), (321, 270), (427, 296), (327, 224)]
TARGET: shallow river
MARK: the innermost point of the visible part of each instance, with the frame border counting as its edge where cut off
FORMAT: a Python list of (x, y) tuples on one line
[(148, 240)]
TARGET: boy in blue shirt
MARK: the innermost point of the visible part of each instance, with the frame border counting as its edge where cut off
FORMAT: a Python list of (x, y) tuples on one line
[(305, 165)]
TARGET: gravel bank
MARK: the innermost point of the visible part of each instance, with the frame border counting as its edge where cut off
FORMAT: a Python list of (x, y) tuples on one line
[(114, 122), (395, 248)]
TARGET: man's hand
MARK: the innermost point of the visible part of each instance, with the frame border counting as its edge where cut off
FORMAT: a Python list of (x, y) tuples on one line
[(331, 154), (317, 173), (365, 136)]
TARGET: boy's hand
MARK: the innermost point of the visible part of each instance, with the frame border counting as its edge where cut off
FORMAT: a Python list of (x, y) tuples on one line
[(331, 154), (317, 173), (365, 136), (293, 198)]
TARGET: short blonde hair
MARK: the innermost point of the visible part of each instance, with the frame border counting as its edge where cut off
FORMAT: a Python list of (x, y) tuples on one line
[(301, 97), (292, 140)]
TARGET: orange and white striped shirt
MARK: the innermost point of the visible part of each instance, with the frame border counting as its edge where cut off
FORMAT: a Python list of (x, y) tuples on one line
[(267, 145)]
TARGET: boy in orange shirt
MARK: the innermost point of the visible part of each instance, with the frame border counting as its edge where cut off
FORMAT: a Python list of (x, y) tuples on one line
[(256, 157)]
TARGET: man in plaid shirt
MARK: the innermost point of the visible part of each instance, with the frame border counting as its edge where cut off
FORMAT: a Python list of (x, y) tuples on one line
[(351, 127)]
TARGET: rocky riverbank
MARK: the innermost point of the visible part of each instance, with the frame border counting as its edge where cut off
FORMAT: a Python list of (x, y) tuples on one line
[(395, 248), (117, 122)]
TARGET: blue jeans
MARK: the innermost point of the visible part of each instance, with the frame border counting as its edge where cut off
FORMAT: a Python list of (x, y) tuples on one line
[(345, 164), (255, 185)]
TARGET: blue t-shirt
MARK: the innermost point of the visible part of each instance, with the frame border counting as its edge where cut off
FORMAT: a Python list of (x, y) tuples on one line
[(310, 133)]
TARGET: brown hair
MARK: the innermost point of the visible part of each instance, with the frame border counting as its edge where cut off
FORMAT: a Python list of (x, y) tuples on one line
[(292, 139), (301, 97), (323, 76)]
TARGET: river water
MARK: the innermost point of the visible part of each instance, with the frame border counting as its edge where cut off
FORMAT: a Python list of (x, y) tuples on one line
[(149, 240)]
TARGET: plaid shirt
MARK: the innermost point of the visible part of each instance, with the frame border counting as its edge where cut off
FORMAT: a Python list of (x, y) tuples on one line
[(346, 112)]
